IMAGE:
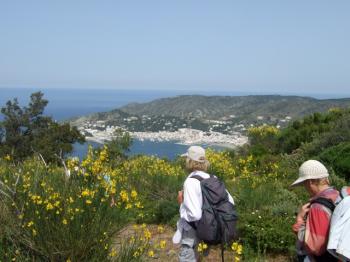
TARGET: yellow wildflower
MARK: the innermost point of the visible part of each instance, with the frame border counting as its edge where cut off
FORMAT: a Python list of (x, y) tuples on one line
[(133, 194), (113, 253), (124, 196), (202, 247), (85, 193), (151, 253), (147, 234), (160, 229), (132, 240), (236, 247), (138, 204), (162, 244)]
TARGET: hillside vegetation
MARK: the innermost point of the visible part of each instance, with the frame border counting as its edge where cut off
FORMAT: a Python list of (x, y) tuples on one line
[(77, 210), (213, 107), (224, 114)]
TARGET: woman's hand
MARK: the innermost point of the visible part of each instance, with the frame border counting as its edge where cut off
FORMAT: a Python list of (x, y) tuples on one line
[(180, 197), (303, 211)]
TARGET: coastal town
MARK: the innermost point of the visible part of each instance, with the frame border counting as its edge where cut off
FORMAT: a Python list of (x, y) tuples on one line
[(186, 136), (228, 130), (230, 136)]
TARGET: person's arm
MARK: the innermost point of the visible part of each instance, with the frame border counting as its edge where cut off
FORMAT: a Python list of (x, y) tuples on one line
[(317, 229), (300, 219), (192, 200), (180, 197)]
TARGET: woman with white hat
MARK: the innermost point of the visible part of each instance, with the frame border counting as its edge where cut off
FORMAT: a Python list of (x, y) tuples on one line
[(191, 201)]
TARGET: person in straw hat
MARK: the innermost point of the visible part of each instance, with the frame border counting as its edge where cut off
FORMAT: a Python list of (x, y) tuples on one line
[(313, 219)]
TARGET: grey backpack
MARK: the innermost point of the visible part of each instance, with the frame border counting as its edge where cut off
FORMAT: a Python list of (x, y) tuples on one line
[(219, 217)]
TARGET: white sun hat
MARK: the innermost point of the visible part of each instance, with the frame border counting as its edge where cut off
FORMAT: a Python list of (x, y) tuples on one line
[(311, 169), (196, 153)]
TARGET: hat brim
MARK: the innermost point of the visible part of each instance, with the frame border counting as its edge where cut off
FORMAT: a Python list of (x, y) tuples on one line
[(197, 160), (302, 179), (299, 181)]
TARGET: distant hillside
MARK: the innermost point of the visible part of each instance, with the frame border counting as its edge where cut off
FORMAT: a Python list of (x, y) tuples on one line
[(224, 114), (114, 115), (213, 107)]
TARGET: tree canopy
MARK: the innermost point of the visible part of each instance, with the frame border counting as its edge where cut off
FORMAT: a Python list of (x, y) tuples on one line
[(26, 131)]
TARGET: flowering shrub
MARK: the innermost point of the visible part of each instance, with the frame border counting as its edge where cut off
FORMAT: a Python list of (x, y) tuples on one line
[(257, 172), (263, 139), (263, 131), (221, 164), (158, 181), (59, 214)]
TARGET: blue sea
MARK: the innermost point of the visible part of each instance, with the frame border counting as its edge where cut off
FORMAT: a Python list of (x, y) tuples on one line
[(66, 103)]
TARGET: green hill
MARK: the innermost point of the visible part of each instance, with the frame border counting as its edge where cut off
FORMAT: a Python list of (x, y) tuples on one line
[(212, 113), (213, 107)]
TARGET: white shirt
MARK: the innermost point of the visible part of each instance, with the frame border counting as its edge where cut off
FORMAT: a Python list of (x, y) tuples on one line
[(191, 207), (339, 236)]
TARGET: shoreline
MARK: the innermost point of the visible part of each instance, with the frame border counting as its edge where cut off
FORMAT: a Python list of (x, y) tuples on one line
[(230, 146)]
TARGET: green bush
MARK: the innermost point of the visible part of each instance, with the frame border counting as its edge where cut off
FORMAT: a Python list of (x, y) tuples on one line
[(264, 232), (265, 218), (338, 157), (163, 212), (311, 126), (50, 215)]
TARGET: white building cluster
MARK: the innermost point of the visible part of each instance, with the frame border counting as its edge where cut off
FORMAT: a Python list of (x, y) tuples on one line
[(101, 133), (193, 136)]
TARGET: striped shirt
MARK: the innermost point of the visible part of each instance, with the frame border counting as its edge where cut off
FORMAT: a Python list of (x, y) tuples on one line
[(313, 232)]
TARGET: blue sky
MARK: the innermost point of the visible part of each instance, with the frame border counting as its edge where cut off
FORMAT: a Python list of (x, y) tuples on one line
[(294, 46)]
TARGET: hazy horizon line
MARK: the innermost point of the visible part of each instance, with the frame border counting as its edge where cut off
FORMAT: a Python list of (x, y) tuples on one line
[(194, 91)]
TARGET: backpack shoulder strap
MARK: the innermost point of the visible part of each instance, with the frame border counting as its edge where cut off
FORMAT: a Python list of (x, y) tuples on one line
[(199, 178), (325, 202)]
